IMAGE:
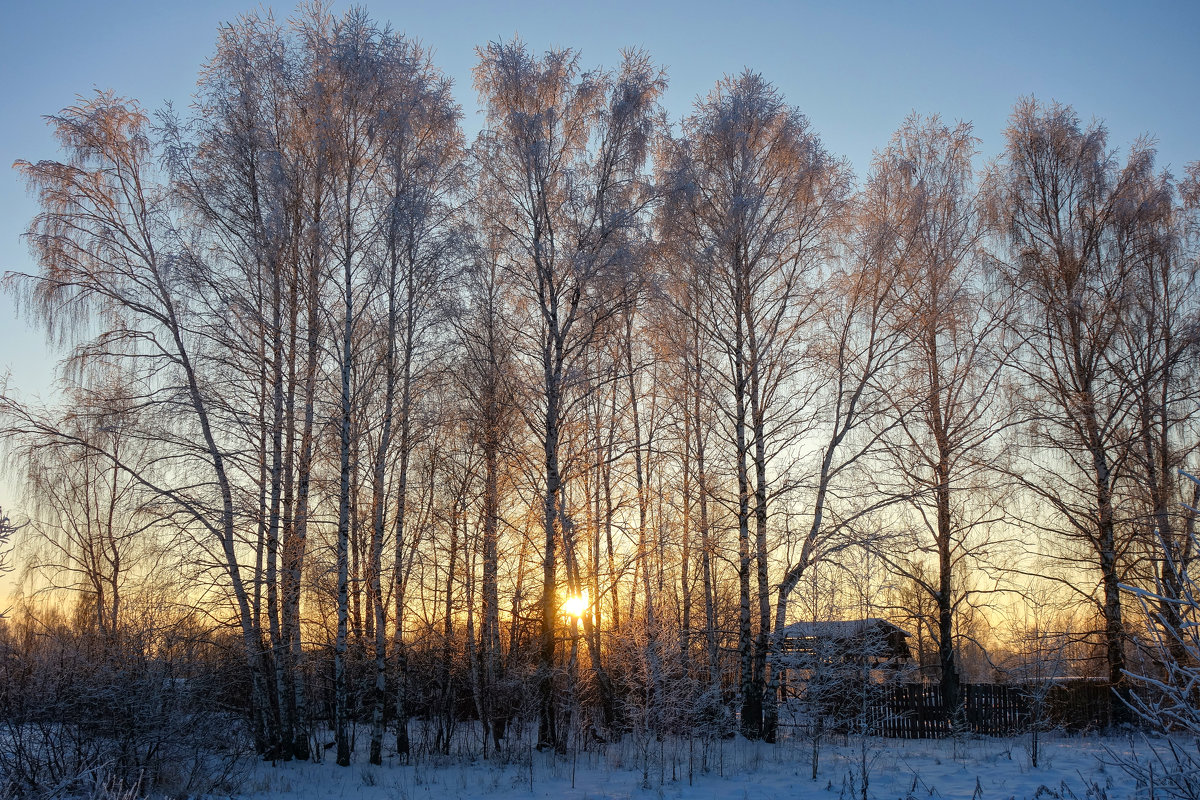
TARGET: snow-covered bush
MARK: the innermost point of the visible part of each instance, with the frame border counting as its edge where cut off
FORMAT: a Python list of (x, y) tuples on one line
[(82, 715)]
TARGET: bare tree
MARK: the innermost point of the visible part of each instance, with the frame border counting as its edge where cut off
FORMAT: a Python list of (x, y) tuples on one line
[(486, 382), (1054, 198), (242, 168), (852, 350), (7, 529), (680, 333), (945, 387), (106, 247), (1155, 357), (1041, 642), (1166, 700), (90, 516), (753, 194), (421, 151), (560, 177)]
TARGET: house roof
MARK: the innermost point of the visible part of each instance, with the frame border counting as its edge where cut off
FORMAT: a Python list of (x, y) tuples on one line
[(870, 638), (840, 629)]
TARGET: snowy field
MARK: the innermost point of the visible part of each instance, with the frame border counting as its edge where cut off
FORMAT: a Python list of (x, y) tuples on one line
[(978, 768)]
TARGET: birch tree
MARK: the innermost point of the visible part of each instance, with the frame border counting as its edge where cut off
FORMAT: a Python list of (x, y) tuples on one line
[(852, 349), (1053, 198), (93, 526), (105, 245), (491, 411), (944, 388), (755, 195), (560, 177), (1155, 357), (421, 151), (353, 65), (242, 170)]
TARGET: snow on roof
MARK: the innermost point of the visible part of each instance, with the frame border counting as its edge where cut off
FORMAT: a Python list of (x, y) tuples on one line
[(839, 629)]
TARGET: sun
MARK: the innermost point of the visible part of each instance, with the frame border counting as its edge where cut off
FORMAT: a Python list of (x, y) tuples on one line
[(576, 605)]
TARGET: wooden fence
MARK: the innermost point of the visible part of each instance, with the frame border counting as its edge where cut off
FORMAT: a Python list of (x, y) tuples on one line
[(916, 711)]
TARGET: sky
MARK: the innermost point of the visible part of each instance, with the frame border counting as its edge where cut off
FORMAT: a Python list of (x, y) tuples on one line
[(856, 69)]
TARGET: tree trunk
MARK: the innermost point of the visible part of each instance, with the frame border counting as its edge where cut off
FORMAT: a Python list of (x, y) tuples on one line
[(490, 635), (547, 713), (400, 572), (341, 709), (751, 715)]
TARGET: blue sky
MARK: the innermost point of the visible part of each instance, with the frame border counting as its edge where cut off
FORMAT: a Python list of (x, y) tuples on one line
[(856, 69)]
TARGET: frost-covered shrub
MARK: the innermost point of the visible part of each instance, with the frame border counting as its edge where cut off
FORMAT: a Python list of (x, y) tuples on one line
[(90, 715)]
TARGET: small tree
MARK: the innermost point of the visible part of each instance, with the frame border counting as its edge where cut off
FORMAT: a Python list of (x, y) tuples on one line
[(862, 701), (1040, 661)]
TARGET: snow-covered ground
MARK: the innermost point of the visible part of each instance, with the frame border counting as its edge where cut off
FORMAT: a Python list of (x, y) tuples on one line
[(980, 768)]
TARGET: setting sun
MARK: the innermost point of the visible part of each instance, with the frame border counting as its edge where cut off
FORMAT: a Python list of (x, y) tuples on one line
[(576, 605)]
